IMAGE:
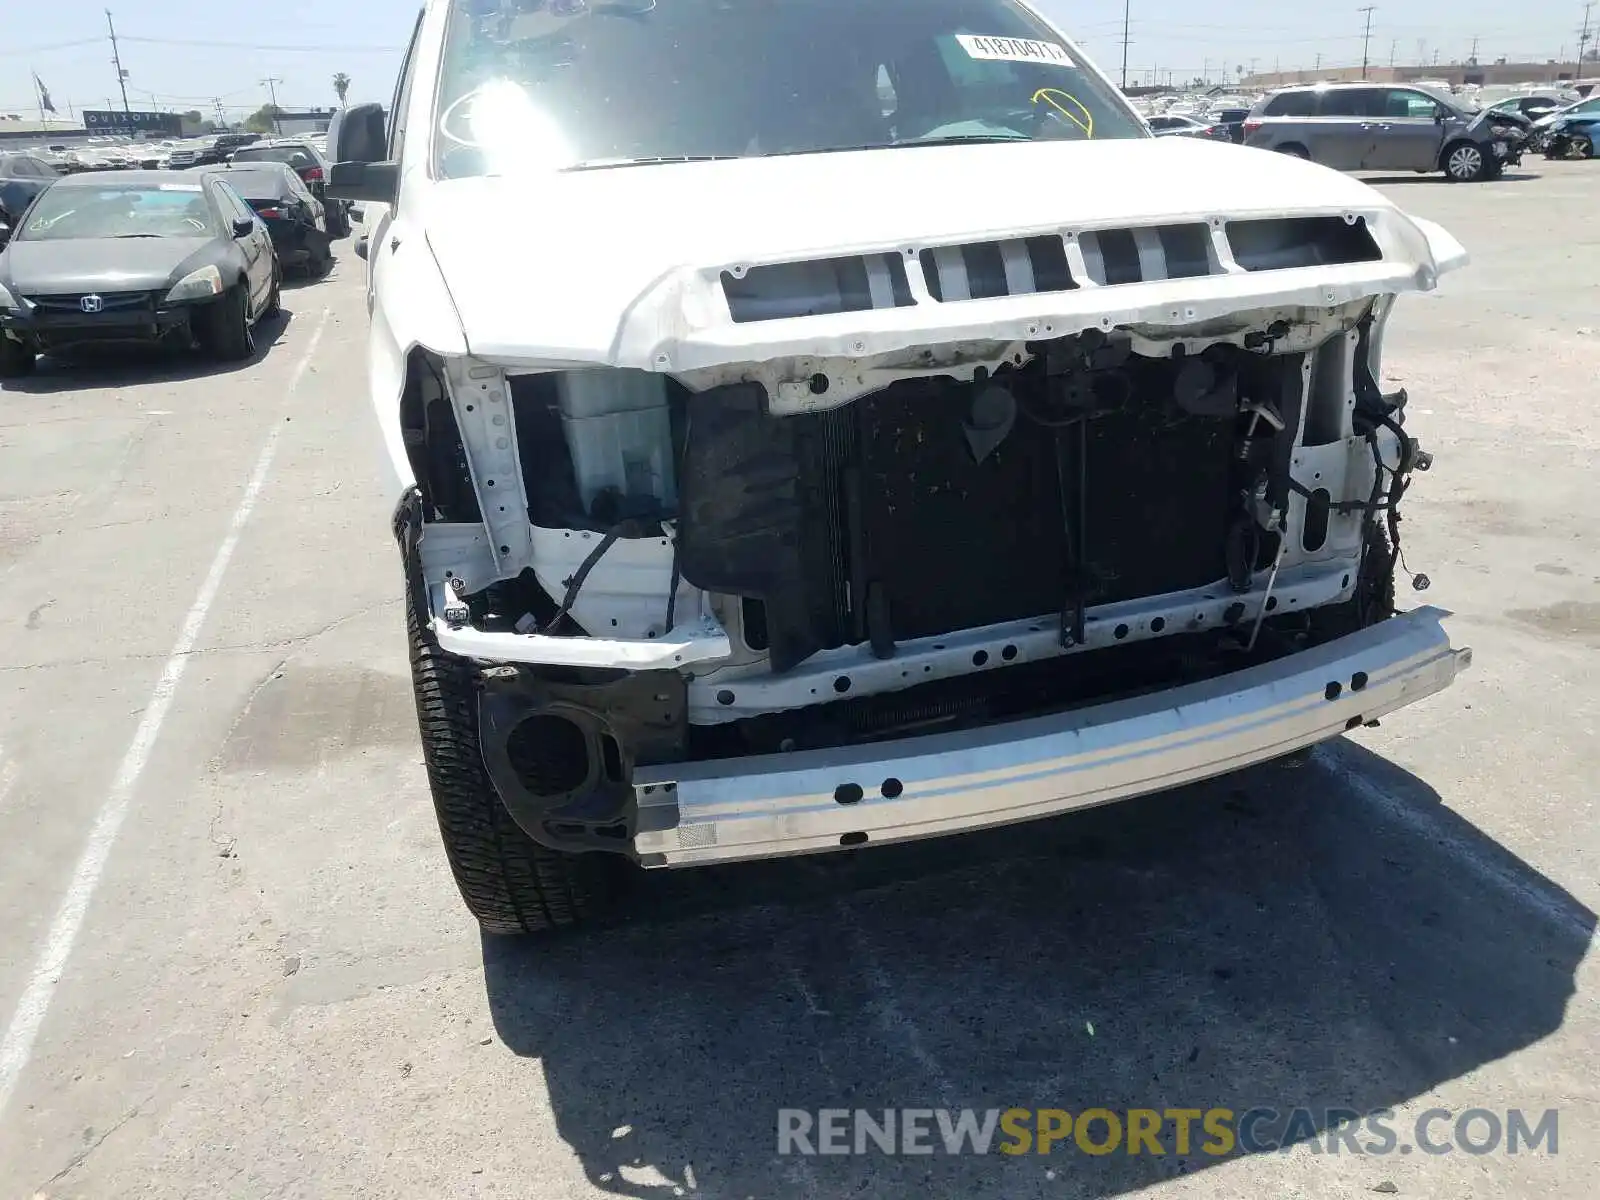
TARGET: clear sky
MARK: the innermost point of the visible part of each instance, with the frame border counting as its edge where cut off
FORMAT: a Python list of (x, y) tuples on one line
[(183, 54)]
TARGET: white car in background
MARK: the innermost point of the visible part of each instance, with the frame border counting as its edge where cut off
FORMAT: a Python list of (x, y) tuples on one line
[(890, 441)]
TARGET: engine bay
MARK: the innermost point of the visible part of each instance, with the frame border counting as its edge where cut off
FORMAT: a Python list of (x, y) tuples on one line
[(647, 572), (1075, 493)]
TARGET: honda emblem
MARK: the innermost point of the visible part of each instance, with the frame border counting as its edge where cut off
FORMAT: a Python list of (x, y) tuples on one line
[(91, 304)]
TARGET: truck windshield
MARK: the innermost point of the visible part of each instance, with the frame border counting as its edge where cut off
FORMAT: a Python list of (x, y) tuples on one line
[(563, 84)]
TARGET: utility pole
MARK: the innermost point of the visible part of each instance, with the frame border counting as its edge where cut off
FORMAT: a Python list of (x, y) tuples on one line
[(1126, 5), (1317, 65), (1472, 57), (1366, 37), (116, 61), (1583, 38), (271, 83), (1393, 46)]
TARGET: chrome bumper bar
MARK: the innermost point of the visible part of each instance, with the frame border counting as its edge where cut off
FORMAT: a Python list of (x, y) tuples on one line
[(775, 805)]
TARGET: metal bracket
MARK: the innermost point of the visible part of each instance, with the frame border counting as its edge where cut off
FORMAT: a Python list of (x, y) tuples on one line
[(482, 402), (642, 715)]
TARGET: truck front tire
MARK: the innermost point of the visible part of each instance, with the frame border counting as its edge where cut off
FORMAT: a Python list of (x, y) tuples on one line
[(511, 884)]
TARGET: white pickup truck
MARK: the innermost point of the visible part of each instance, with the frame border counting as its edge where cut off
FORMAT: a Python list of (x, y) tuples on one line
[(825, 424)]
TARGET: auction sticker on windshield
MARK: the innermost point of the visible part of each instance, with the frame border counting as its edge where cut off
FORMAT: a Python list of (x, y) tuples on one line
[(1010, 49)]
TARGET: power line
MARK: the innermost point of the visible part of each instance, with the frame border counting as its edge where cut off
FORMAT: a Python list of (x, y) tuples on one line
[(45, 49), (1366, 37), (325, 49), (1126, 4), (116, 59), (271, 83)]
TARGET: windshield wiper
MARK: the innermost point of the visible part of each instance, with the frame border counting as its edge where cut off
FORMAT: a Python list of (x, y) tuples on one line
[(948, 139), (605, 164), (952, 139), (956, 139), (132, 235)]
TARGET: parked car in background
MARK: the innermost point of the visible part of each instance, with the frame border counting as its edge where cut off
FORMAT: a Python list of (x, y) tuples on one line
[(729, 537), (140, 256), (1368, 127), (227, 143), (1580, 108), (293, 216), (198, 154), (307, 162), (1573, 134), (22, 177), (1231, 119), (1532, 107), (1176, 125)]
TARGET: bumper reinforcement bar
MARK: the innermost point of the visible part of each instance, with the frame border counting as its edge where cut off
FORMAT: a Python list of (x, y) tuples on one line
[(783, 804)]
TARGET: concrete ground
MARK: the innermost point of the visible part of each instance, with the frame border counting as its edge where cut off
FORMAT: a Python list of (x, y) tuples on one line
[(232, 962)]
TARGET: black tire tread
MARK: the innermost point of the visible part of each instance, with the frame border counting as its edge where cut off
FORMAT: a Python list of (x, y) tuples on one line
[(274, 306), (509, 882), (16, 359), (220, 334)]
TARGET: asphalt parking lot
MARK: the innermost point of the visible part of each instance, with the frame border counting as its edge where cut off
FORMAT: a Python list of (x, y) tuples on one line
[(233, 963)]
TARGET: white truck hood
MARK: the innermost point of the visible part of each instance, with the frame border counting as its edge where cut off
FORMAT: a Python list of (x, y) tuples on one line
[(623, 266)]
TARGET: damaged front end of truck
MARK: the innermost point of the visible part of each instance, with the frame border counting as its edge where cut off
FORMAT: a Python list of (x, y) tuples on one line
[(869, 546)]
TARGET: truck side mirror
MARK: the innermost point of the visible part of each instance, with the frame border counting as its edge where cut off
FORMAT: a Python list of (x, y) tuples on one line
[(361, 169), (358, 135), (378, 182)]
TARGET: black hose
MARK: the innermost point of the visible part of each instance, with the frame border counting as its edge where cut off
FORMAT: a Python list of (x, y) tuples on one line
[(672, 590), (580, 576)]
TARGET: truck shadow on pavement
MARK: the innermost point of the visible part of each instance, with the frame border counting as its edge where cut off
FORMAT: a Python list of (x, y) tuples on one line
[(1328, 936), (112, 367)]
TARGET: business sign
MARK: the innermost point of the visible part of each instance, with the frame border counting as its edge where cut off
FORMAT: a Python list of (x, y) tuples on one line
[(106, 121)]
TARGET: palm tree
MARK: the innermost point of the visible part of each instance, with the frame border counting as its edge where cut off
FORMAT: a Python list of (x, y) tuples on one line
[(341, 84)]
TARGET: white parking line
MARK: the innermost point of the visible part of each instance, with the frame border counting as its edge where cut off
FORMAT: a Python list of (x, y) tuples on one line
[(41, 987)]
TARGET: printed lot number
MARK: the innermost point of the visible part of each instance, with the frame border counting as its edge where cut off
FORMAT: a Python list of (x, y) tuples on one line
[(1008, 49)]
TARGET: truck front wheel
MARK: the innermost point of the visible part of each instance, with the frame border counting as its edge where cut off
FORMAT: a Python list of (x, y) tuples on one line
[(510, 883)]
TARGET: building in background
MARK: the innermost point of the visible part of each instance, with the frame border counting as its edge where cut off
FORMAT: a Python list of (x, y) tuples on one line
[(130, 124), (290, 122), (15, 128)]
